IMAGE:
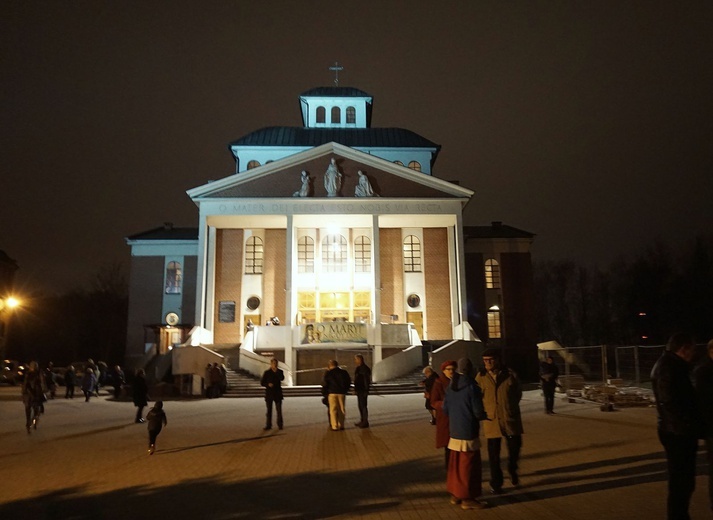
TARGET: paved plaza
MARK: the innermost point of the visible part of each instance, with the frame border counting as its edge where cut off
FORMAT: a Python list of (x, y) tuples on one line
[(213, 461)]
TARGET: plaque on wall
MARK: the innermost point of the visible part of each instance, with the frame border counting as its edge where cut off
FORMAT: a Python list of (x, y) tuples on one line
[(253, 303), (413, 300), (226, 312)]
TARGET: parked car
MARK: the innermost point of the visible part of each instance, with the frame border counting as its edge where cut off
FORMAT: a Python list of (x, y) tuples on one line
[(11, 372)]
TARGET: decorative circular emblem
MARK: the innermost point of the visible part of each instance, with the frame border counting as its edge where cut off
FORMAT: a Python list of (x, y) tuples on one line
[(253, 303), (413, 300), (172, 318)]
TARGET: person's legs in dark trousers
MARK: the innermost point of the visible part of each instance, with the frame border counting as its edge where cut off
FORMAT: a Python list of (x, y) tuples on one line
[(363, 410), (28, 416), (514, 444), (153, 434), (681, 466), (139, 414), (496, 473), (268, 416), (278, 411), (548, 389)]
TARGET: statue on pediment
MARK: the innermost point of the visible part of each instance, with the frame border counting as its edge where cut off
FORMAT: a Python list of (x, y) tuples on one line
[(363, 187), (306, 187), (332, 179)]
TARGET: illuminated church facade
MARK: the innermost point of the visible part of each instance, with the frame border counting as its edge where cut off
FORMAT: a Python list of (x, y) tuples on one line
[(330, 239)]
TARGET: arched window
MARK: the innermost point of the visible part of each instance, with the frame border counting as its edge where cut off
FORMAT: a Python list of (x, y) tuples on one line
[(253, 164), (321, 114), (412, 254), (336, 115), (253, 255), (399, 163), (415, 165), (351, 115), (334, 254), (305, 255), (362, 254), (174, 278), (494, 329), (492, 274)]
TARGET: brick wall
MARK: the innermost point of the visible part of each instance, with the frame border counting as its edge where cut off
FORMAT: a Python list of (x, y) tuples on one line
[(228, 277), (274, 277), (438, 287)]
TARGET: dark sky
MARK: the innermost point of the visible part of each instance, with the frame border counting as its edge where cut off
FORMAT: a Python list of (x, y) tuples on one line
[(587, 123)]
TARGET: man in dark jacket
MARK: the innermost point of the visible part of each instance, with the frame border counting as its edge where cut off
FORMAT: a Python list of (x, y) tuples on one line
[(678, 421), (272, 381), (362, 382), (548, 379), (704, 388), (335, 386)]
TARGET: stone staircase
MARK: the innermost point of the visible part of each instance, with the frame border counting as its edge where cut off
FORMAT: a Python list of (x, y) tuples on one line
[(243, 384)]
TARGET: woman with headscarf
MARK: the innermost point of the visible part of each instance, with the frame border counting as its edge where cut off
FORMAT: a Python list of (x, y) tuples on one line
[(438, 394)]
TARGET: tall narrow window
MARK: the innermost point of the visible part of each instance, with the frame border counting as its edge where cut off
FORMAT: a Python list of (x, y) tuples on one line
[(174, 278), (253, 164), (362, 254), (412, 254), (415, 165), (321, 114), (494, 330), (336, 115), (253, 255), (492, 274), (334, 254), (351, 115), (305, 255)]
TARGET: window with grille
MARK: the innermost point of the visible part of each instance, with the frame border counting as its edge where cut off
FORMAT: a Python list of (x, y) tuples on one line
[(305, 255), (494, 330), (334, 254), (492, 274), (253, 164), (412, 254), (336, 115), (253, 255), (174, 278), (362, 254), (415, 165), (351, 115)]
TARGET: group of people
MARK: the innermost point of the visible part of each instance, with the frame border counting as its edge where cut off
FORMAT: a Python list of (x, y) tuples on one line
[(684, 407), (458, 400), (336, 384)]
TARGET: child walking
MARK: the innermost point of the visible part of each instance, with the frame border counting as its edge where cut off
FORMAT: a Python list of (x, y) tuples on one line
[(156, 418)]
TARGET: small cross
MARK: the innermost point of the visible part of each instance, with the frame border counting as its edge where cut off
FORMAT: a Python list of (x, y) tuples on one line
[(337, 67)]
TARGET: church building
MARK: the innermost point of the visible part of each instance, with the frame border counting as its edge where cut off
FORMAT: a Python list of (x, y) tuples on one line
[(329, 239)]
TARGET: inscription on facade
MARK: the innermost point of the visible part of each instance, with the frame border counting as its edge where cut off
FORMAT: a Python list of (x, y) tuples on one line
[(333, 332), (376, 207)]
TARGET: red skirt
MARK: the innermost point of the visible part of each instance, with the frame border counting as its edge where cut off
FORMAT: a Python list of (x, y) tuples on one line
[(464, 477)]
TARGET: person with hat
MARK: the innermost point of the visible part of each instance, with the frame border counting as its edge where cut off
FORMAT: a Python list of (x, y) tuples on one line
[(502, 393), (464, 406), (437, 395)]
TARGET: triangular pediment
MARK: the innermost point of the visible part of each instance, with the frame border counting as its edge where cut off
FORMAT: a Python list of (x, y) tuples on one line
[(283, 178)]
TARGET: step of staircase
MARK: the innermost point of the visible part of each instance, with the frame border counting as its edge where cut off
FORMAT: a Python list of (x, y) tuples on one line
[(243, 384)]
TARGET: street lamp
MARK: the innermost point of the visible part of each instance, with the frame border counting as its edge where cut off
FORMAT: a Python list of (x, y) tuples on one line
[(7, 304)]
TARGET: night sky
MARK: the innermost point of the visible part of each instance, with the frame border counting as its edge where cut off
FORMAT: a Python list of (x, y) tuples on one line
[(587, 123)]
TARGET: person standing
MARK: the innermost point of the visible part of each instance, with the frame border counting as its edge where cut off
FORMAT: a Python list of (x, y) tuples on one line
[(678, 421), (427, 383), (272, 380), (70, 380), (89, 382), (362, 382), (140, 394), (703, 377), (156, 419), (118, 380), (33, 393), (548, 380), (502, 393), (464, 406), (50, 380), (438, 394), (336, 386)]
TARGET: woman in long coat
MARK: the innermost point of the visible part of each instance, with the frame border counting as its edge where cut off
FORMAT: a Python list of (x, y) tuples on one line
[(140, 393), (438, 394), (33, 393)]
